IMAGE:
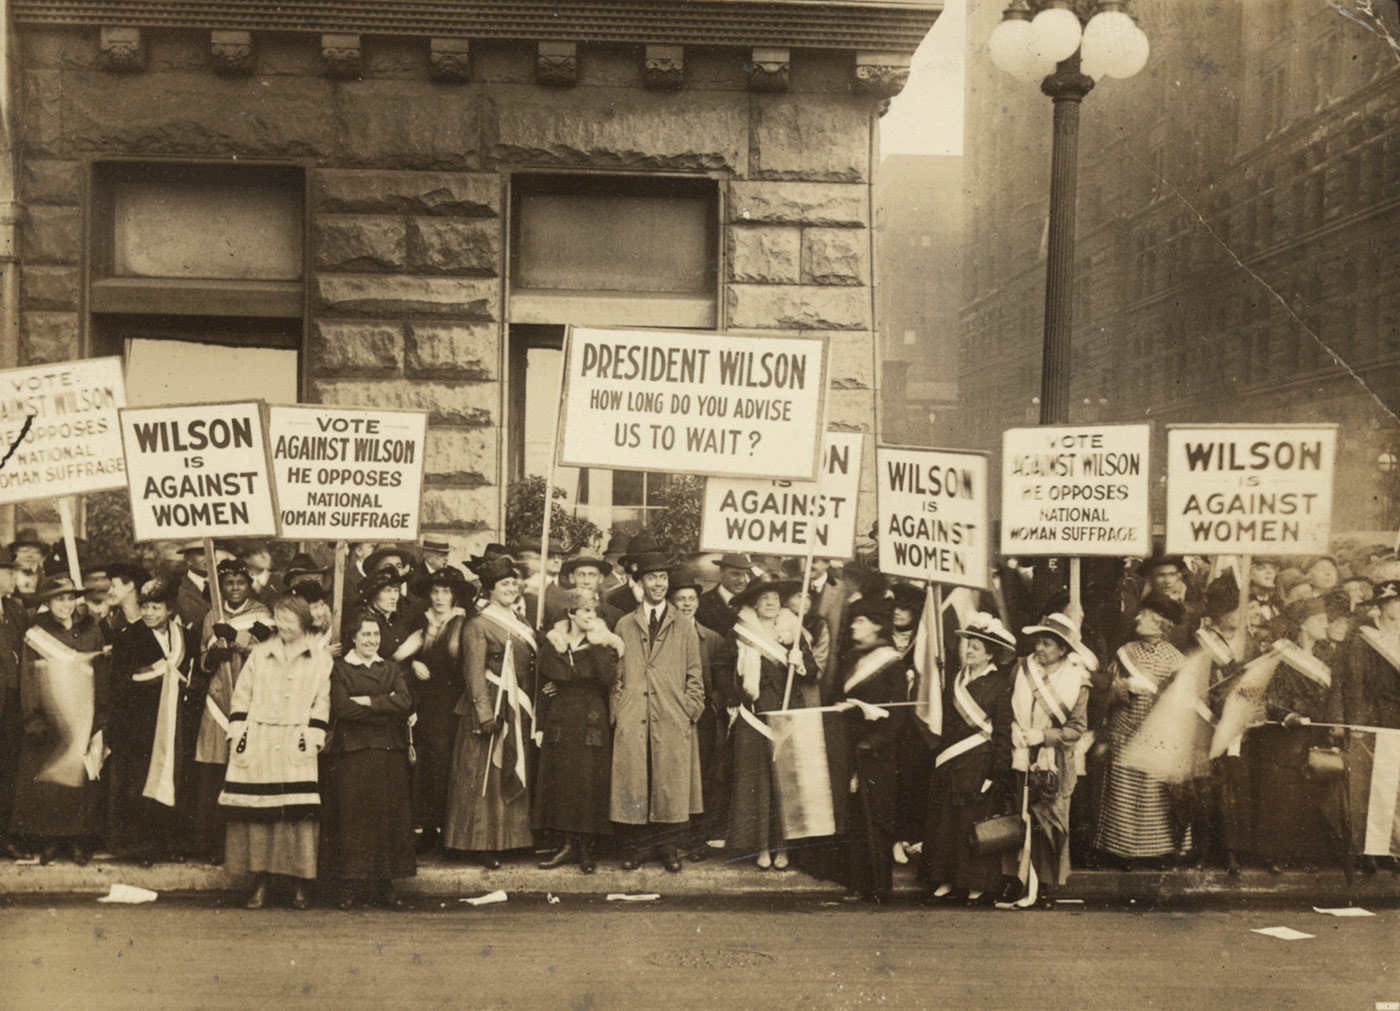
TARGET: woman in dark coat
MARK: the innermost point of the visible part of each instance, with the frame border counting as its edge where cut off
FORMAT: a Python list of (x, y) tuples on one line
[(961, 790), (63, 697), (436, 663), (367, 816), (577, 671), (381, 595), (150, 666)]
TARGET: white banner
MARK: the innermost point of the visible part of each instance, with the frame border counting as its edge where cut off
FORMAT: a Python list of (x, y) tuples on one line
[(343, 473), (1261, 489), (198, 470), (778, 517), (1076, 490), (932, 505), (58, 423), (693, 403)]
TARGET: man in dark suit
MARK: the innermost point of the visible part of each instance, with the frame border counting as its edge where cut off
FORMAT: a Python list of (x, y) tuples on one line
[(586, 572), (12, 627), (627, 596), (712, 729), (715, 612)]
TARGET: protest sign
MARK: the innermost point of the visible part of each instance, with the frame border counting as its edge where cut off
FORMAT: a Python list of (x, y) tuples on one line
[(1076, 490), (777, 517), (1250, 489), (58, 423), (343, 473), (932, 506), (198, 470), (693, 403)]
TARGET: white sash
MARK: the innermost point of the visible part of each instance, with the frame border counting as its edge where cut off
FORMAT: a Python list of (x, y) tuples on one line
[(1048, 700), (746, 714), (1304, 663), (1384, 649), (972, 714), (870, 665), (1141, 682), (769, 647), (160, 775), (510, 623), (1214, 643)]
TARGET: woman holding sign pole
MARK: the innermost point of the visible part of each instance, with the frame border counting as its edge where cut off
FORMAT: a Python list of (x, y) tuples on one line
[(277, 726), (488, 803)]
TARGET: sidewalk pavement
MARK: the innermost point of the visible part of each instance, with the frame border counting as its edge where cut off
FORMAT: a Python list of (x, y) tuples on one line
[(718, 878)]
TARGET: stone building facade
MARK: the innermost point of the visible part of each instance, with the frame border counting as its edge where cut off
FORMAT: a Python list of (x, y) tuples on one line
[(1235, 261), (405, 201)]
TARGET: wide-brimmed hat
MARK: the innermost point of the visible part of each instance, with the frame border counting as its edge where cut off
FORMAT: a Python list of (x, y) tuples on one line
[(1386, 589), (641, 544), (462, 591), (1157, 561), (1161, 604), (493, 571), (375, 561), (734, 560), (1066, 629), (303, 566), (488, 553), (908, 596), (59, 586), (877, 609), (988, 628), (129, 572), (158, 591), (312, 593), (784, 588), (583, 562), (371, 585), (649, 561), (28, 538)]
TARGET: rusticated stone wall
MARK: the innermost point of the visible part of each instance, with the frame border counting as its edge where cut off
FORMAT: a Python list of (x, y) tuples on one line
[(406, 250)]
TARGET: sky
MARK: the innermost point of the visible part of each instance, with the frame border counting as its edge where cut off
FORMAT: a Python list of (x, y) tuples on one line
[(927, 116)]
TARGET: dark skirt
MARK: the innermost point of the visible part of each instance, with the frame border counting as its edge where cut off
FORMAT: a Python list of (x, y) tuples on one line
[(367, 816), (49, 809), (949, 858), (755, 817), (136, 826), (573, 783), (1295, 817)]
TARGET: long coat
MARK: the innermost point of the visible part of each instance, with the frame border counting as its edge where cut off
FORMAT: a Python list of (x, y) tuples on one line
[(1375, 684), (657, 702), (281, 708), (212, 744)]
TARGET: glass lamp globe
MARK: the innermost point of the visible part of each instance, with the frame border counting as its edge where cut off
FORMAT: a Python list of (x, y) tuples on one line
[(1113, 45), (1056, 34), (1010, 47)]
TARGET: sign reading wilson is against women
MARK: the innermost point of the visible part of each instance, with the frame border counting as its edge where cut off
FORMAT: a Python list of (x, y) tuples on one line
[(693, 403), (1076, 490), (932, 506), (59, 425), (1250, 489), (344, 473), (198, 470)]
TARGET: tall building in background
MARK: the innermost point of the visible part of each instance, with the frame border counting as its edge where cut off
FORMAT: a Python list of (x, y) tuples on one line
[(1239, 203), (918, 200)]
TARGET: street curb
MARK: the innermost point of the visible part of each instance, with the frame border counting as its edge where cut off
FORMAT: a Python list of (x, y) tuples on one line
[(716, 878)]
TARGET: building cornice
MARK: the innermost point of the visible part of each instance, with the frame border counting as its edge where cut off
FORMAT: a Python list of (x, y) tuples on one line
[(886, 27)]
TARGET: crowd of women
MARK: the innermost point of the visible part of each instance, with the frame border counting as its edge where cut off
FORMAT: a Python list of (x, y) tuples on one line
[(614, 707)]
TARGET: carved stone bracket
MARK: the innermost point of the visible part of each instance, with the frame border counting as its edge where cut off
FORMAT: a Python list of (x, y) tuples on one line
[(556, 64), (121, 50), (449, 60), (340, 55), (231, 53), (881, 75), (664, 67), (768, 70)]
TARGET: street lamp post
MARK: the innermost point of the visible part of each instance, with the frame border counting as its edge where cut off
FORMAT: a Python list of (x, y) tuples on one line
[(1070, 44)]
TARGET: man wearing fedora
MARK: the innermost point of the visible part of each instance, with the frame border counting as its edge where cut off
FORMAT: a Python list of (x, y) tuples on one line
[(716, 610), (659, 698), (586, 573), (627, 596), (13, 623)]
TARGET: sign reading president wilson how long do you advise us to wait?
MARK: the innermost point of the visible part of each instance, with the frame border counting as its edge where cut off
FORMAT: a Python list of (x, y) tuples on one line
[(347, 474), (1245, 489), (198, 470), (693, 403)]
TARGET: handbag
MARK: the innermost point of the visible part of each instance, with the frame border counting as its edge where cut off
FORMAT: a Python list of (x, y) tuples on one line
[(998, 834), (1325, 763), (1044, 785)]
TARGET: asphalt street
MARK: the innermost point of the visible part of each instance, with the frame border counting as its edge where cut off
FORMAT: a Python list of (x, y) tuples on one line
[(587, 953)]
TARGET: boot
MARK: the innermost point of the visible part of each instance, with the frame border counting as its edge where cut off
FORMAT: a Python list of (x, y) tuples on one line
[(564, 856), (427, 842), (388, 897), (299, 899), (585, 856), (259, 897)]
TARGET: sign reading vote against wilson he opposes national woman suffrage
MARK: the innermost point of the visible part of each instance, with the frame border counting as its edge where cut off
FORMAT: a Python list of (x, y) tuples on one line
[(932, 506), (693, 403), (1076, 490), (58, 423), (198, 470), (343, 473), (1250, 489)]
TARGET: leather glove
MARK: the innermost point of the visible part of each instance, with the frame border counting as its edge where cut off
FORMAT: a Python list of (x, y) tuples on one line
[(260, 632), (225, 631)]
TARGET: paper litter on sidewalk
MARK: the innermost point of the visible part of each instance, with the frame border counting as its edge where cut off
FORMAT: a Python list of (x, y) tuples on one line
[(128, 894), (628, 897), (1344, 911), (27, 862), (551, 898), (486, 900), (1282, 933)]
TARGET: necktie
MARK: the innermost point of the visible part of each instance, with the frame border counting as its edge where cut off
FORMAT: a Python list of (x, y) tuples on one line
[(655, 624)]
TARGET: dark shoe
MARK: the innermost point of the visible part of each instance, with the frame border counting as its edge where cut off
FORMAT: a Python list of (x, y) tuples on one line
[(12, 850), (490, 861), (346, 902), (427, 842), (1045, 902), (259, 897), (950, 898), (984, 901), (82, 853), (389, 898), (564, 856), (1232, 867), (48, 855), (874, 898), (585, 857), (631, 862), (671, 860), (299, 900), (700, 853)]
